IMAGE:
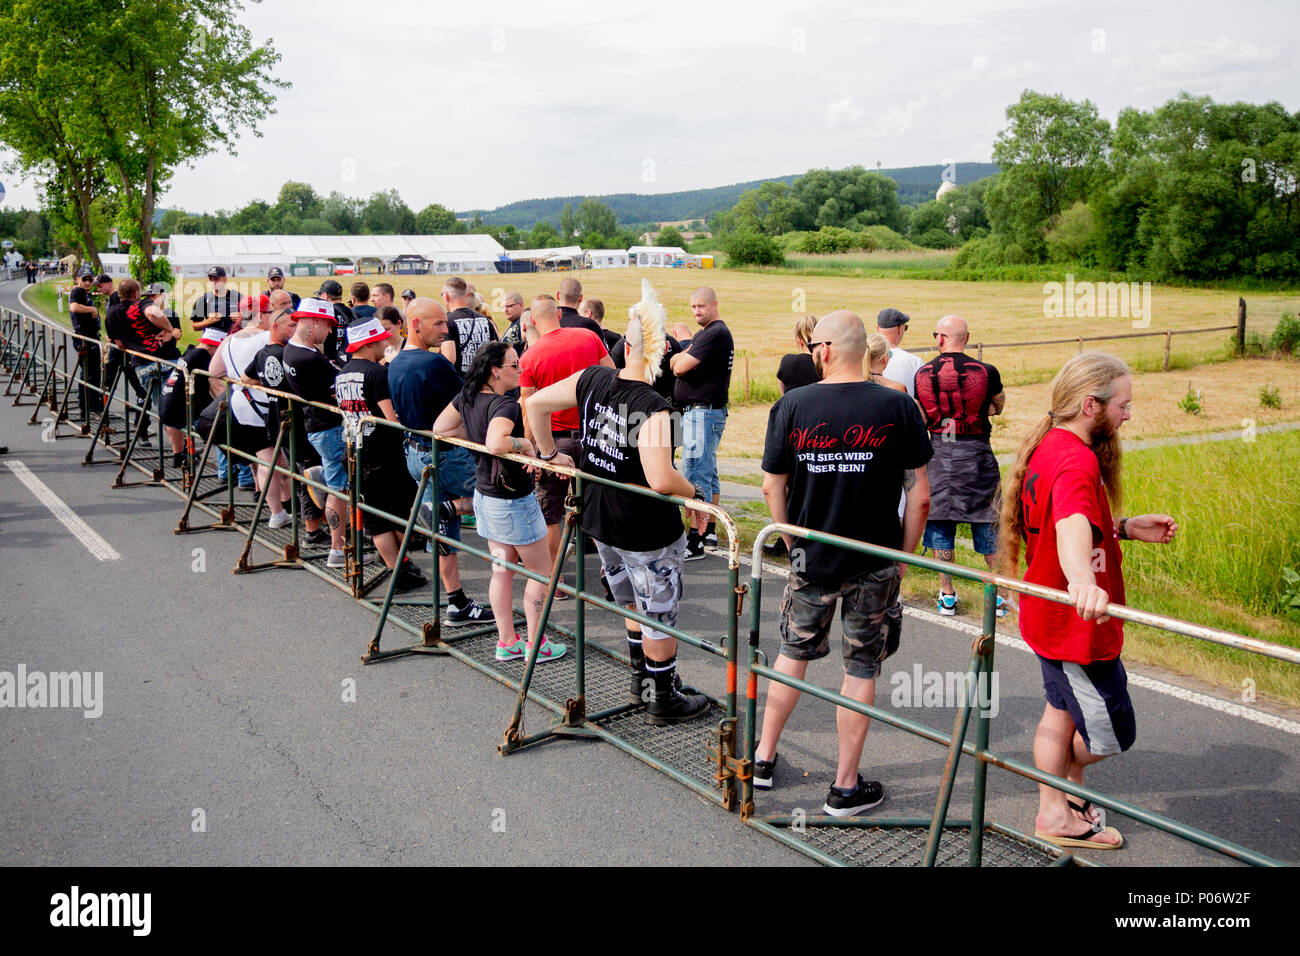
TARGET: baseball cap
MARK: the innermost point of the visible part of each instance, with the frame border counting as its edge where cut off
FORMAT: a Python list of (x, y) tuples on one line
[(259, 303), (275, 272), (363, 333), (156, 288), (315, 309), (408, 293), (217, 272), (891, 318), (212, 336), (330, 287), (85, 272)]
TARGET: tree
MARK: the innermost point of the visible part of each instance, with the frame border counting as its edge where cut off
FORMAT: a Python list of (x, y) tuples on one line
[(386, 214), (594, 218), (435, 220), (343, 213), (1051, 151), (670, 236), (567, 223), (543, 236), (769, 209), (300, 199), (752, 248)]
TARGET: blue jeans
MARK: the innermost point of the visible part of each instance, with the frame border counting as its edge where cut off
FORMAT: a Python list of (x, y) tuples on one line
[(942, 536), (455, 477), (333, 453), (701, 435)]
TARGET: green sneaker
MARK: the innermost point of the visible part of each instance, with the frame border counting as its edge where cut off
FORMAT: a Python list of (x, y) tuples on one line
[(512, 652), (549, 651)]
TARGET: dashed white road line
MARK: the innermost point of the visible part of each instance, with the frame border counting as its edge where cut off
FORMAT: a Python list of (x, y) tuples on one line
[(83, 532), (1149, 683)]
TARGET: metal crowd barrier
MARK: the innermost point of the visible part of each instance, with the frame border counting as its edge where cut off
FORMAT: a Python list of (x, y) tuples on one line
[(587, 693)]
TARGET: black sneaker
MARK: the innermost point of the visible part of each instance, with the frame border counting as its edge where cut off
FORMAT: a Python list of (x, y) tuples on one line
[(764, 770), (867, 794), (409, 578), (711, 539), (179, 460), (642, 686), (694, 550), (316, 539), (775, 547), (676, 708), (471, 613)]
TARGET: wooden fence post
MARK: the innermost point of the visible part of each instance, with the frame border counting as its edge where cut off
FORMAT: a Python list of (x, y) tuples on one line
[(1169, 334), (1081, 343), (1241, 325), (980, 356), (746, 377)]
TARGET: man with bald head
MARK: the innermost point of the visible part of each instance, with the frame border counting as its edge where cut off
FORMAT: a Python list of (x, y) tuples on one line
[(957, 394), (703, 386), (837, 454), (557, 354), (569, 297), (513, 308), (421, 381)]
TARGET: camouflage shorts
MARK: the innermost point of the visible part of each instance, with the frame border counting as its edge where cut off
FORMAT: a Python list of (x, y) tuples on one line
[(871, 619), (652, 580)]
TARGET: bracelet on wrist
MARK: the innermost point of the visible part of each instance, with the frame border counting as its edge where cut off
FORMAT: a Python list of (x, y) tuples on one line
[(1122, 530), (554, 452)]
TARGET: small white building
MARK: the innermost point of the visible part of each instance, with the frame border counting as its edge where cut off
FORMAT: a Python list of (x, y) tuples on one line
[(608, 258), (662, 257)]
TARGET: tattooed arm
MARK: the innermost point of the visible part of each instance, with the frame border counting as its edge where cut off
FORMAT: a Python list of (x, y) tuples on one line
[(916, 485)]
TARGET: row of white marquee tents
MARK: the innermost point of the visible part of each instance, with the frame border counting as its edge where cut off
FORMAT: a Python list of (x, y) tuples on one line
[(399, 255)]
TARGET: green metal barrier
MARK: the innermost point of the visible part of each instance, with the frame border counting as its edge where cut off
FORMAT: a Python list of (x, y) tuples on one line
[(779, 825), (710, 767)]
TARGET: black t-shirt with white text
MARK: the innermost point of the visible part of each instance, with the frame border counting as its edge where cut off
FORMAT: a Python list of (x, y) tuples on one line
[(470, 331), (309, 375), (710, 381), (172, 400), (493, 476), (613, 410), (844, 448), (361, 385)]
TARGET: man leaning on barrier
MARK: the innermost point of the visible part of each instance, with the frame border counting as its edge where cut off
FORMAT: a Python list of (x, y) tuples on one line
[(625, 433), (422, 382), (1066, 477), (85, 321), (836, 456)]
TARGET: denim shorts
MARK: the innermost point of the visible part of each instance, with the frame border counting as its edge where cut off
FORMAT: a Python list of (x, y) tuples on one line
[(942, 536), (455, 477), (514, 521), (701, 435), (333, 456)]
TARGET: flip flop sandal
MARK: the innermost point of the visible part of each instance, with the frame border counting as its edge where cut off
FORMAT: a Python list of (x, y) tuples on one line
[(1086, 809), (1084, 841)]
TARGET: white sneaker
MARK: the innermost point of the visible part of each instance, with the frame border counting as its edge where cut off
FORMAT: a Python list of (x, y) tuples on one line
[(279, 520), (336, 559)]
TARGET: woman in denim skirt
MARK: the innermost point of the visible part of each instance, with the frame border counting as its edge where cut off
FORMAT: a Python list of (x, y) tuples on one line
[(509, 518)]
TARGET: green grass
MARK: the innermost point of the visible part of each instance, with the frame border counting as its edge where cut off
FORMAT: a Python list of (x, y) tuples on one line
[(44, 299)]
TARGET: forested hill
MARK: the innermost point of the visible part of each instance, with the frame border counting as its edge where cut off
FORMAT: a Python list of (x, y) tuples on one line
[(916, 184)]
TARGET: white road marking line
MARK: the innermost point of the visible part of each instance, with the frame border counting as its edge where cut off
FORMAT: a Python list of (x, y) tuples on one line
[(83, 532), (1149, 683)]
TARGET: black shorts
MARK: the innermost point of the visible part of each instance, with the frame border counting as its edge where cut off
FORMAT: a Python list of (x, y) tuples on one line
[(1096, 697), (386, 485)]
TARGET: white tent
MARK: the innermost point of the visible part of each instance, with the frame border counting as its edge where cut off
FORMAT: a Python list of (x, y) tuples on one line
[(541, 255), (116, 264), (608, 258), (254, 255), (665, 257)]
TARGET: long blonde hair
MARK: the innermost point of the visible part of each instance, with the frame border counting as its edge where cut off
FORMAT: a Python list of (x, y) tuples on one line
[(1088, 373), (803, 329), (647, 331)]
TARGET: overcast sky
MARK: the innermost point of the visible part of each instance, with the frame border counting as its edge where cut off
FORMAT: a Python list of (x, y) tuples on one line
[(490, 102)]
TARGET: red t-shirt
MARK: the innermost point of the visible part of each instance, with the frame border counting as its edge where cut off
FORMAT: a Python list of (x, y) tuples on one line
[(556, 356), (1063, 479)]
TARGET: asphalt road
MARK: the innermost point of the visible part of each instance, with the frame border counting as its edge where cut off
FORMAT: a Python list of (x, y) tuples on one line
[(224, 695)]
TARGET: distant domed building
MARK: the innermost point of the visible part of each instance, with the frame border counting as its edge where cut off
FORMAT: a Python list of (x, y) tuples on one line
[(944, 188)]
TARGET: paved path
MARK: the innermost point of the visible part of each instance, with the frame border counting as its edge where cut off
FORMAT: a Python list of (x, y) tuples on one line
[(224, 694)]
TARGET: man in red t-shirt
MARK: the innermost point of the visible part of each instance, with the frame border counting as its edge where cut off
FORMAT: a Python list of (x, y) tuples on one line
[(557, 354), (1066, 474)]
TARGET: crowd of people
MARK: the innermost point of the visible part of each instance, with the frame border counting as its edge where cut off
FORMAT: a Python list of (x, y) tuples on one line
[(867, 441)]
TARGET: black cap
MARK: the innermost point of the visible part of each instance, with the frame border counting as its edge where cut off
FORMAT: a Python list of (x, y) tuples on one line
[(156, 288), (408, 293), (217, 272), (102, 278), (85, 272), (891, 318), (330, 287), (275, 272)]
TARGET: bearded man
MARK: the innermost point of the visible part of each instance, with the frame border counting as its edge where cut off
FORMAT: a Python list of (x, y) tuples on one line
[(1067, 478)]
